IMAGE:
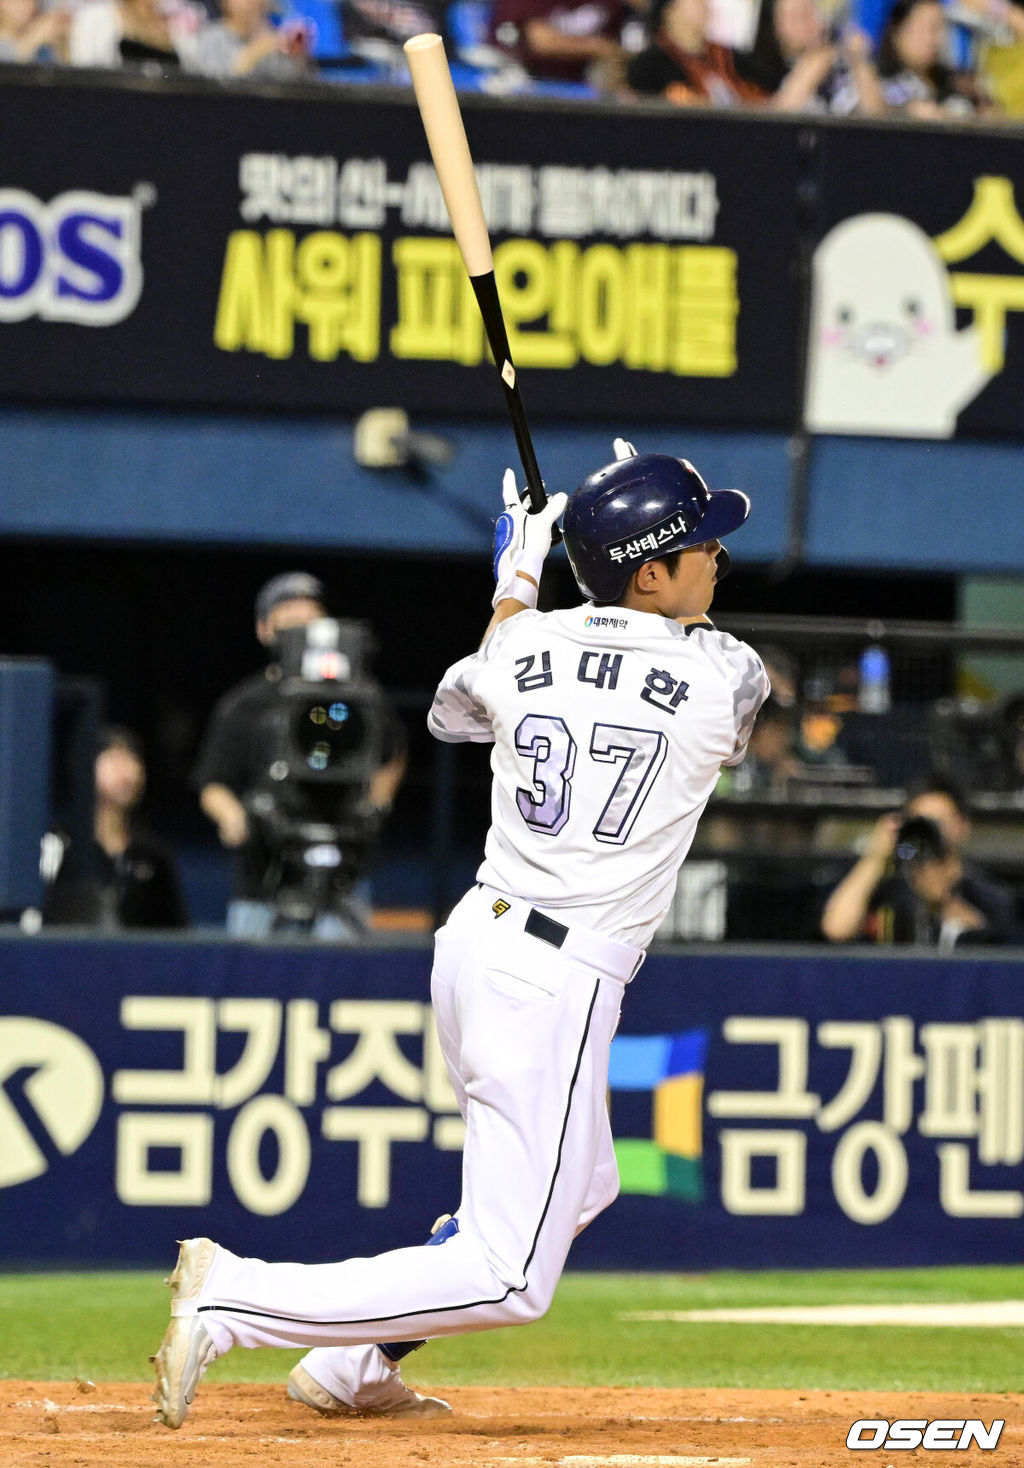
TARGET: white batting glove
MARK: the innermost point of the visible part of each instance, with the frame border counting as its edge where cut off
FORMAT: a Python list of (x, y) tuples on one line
[(623, 449), (522, 539)]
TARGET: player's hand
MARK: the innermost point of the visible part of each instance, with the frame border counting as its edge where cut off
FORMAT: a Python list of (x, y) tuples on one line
[(522, 539), (623, 449)]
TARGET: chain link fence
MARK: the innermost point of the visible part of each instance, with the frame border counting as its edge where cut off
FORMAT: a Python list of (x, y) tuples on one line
[(862, 713)]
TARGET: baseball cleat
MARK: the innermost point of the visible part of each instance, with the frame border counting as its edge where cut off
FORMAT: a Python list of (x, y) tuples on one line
[(401, 1400), (186, 1349)]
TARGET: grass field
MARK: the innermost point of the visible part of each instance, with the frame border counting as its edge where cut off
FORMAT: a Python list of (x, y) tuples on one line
[(105, 1326)]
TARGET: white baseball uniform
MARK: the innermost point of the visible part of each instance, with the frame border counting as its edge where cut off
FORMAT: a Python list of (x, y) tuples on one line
[(609, 727)]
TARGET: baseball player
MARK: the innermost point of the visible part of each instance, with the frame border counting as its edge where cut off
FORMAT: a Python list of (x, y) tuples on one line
[(609, 721)]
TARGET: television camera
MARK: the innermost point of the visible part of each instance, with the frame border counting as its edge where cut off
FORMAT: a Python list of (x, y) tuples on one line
[(325, 736)]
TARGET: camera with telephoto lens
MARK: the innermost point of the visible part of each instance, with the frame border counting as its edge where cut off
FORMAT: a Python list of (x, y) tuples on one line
[(324, 738)]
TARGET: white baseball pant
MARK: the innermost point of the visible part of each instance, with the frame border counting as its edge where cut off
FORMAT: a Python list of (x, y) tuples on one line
[(526, 1009)]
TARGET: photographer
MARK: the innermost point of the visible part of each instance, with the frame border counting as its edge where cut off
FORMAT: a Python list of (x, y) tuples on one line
[(912, 883), (941, 913), (240, 748)]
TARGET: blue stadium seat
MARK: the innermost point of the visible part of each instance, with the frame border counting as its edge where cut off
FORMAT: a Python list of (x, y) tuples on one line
[(871, 16), (468, 23), (325, 18)]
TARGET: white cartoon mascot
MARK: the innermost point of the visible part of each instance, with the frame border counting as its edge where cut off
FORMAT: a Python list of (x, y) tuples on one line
[(885, 356)]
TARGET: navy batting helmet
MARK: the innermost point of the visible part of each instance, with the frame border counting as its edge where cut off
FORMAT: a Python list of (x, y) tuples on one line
[(636, 510)]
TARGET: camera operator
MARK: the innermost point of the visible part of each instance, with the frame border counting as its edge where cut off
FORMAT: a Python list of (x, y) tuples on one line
[(238, 749), (941, 914), (908, 883)]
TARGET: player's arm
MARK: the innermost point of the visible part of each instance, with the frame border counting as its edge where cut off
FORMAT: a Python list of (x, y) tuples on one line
[(847, 908), (750, 688), (521, 542), (509, 606)]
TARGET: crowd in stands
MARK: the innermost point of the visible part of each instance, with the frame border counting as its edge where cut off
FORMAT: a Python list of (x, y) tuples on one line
[(927, 59)]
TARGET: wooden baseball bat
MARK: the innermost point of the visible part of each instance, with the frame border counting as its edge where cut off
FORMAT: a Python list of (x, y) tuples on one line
[(446, 135)]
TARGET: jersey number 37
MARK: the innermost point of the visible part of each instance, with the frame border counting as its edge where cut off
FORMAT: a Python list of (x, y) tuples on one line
[(545, 807)]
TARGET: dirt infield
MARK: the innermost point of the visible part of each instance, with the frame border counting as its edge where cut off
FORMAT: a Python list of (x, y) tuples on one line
[(52, 1424)]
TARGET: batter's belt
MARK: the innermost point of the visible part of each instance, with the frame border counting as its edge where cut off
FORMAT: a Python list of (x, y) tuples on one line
[(615, 960)]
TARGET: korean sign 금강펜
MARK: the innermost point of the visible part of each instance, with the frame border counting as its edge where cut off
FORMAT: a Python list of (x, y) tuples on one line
[(972, 1080)]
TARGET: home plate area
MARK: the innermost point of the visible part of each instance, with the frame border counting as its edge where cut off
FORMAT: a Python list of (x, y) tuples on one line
[(80, 1424)]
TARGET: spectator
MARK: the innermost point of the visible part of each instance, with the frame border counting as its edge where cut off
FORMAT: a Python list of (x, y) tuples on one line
[(128, 879), (1011, 738), (942, 915), (244, 43), (783, 670), (916, 78), (992, 34), (29, 33), (683, 66), (877, 900), (111, 33), (378, 32), (768, 773), (239, 748), (804, 70), (563, 40), (772, 760)]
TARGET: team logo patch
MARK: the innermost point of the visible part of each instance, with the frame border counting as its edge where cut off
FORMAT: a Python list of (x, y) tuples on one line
[(500, 907)]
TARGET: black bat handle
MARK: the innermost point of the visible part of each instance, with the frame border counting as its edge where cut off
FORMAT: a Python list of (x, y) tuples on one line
[(486, 290)]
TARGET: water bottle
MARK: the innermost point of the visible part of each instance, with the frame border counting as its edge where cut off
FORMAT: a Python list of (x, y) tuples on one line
[(874, 695)]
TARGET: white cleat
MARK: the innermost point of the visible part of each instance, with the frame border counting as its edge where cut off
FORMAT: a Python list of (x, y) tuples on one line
[(186, 1349), (401, 1401)]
